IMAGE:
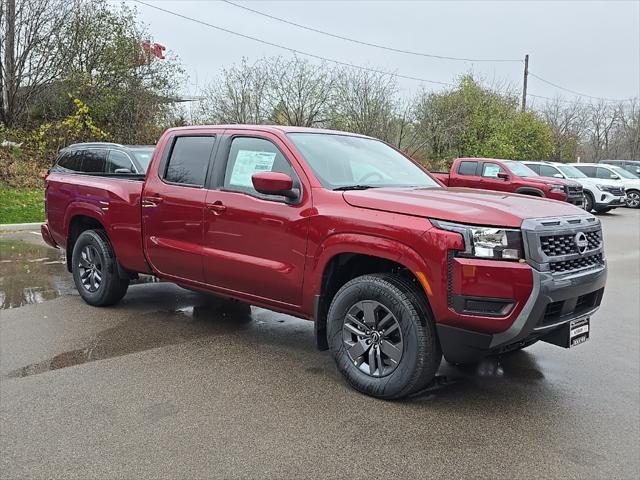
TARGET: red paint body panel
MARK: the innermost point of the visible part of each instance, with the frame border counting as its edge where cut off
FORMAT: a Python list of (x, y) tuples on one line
[(274, 253), (513, 184)]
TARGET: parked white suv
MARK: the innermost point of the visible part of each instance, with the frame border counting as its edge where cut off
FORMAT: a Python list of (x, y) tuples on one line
[(599, 195), (620, 176)]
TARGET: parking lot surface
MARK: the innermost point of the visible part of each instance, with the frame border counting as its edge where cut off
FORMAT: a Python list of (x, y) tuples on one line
[(175, 384)]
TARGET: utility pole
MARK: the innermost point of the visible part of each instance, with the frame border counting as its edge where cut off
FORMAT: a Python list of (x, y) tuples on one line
[(8, 84), (524, 84)]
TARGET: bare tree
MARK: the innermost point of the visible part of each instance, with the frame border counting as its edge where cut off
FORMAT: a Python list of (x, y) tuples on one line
[(29, 57), (366, 103), (299, 92), (568, 122), (602, 121), (240, 96)]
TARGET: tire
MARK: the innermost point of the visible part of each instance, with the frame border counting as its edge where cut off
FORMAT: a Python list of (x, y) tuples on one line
[(95, 270), (633, 199), (604, 209), (588, 202), (370, 299)]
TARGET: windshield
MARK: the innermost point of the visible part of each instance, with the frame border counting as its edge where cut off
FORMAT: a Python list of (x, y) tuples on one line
[(624, 173), (520, 169), (143, 156), (345, 161), (571, 172)]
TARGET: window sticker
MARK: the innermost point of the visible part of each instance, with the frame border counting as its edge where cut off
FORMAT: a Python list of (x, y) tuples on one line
[(249, 162), (491, 170)]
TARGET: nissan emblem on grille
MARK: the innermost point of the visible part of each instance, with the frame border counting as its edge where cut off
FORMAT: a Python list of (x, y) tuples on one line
[(581, 242)]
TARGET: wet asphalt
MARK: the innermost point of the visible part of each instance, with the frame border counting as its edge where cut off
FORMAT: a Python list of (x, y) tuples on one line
[(175, 384)]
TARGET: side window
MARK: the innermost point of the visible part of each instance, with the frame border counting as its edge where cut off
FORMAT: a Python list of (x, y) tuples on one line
[(189, 160), (547, 171), (587, 170), (633, 168), (118, 160), (467, 168), (249, 155), (93, 160), (70, 161), (535, 167), (604, 173), (491, 170)]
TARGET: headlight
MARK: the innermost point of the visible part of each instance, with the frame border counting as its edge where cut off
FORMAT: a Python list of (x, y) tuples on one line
[(486, 242), (602, 188), (557, 188)]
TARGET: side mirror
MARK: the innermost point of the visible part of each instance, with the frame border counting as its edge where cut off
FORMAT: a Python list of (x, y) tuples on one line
[(558, 175), (274, 183), (504, 176), (615, 177), (122, 170)]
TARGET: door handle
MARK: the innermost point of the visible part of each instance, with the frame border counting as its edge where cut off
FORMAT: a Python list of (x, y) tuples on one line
[(148, 202), (217, 207)]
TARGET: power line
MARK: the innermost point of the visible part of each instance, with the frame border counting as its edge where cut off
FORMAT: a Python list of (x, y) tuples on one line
[(369, 44), (299, 52), (577, 93)]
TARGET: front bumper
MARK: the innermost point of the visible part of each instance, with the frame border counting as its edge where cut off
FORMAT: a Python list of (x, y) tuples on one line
[(605, 199), (554, 301)]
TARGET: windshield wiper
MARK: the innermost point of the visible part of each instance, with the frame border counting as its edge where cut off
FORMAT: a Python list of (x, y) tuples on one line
[(353, 187)]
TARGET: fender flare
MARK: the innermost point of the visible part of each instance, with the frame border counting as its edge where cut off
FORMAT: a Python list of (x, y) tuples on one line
[(530, 191)]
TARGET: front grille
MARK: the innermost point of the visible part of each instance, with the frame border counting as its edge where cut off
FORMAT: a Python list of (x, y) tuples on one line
[(574, 191), (556, 245), (577, 264)]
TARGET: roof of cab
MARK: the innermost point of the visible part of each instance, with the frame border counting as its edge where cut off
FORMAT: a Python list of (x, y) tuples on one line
[(267, 128)]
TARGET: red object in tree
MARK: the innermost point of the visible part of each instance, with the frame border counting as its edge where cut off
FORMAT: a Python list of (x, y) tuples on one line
[(158, 50)]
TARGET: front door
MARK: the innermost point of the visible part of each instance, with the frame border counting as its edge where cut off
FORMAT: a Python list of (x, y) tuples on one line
[(490, 179), (173, 207), (256, 244)]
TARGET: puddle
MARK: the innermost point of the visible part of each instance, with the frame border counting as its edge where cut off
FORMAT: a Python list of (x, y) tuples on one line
[(152, 330), (32, 273)]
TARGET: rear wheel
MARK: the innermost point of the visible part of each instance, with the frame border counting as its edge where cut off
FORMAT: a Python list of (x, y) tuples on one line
[(95, 271), (633, 199), (382, 336)]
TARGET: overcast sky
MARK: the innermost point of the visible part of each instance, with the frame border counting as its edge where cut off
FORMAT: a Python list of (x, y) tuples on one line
[(589, 47)]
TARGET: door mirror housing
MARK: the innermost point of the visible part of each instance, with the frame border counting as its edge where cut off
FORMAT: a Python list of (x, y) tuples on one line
[(558, 175), (503, 176), (122, 170), (615, 177), (274, 183)]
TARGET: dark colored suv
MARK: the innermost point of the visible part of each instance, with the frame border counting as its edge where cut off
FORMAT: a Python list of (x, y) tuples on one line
[(104, 158)]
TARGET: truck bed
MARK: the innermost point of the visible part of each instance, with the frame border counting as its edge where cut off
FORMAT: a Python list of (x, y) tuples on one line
[(114, 199)]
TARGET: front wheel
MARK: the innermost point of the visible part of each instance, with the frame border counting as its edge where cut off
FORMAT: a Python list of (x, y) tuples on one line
[(633, 199), (382, 336), (588, 202), (95, 271)]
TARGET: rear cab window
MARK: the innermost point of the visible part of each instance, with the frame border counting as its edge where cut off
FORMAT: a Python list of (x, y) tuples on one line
[(468, 168), (189, 160)]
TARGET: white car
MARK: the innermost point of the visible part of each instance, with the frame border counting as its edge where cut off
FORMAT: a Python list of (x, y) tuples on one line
[(623, 178), (599, 195)]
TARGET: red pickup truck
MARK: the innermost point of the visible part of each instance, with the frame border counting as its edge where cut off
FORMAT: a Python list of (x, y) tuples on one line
[(394, 269), (509, 176)]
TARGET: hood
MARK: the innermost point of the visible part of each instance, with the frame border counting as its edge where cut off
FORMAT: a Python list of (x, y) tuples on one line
[(462, 205)]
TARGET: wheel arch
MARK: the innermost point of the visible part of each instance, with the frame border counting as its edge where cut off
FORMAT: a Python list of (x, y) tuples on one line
[(530, 191), (77, 224), (343, 259)]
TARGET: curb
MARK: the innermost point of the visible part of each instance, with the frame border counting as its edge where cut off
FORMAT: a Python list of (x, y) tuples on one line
[(13, 227)]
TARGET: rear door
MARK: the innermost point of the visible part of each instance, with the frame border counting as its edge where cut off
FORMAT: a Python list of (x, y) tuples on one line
[(466, 175), (255, 244), (173, 206)]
